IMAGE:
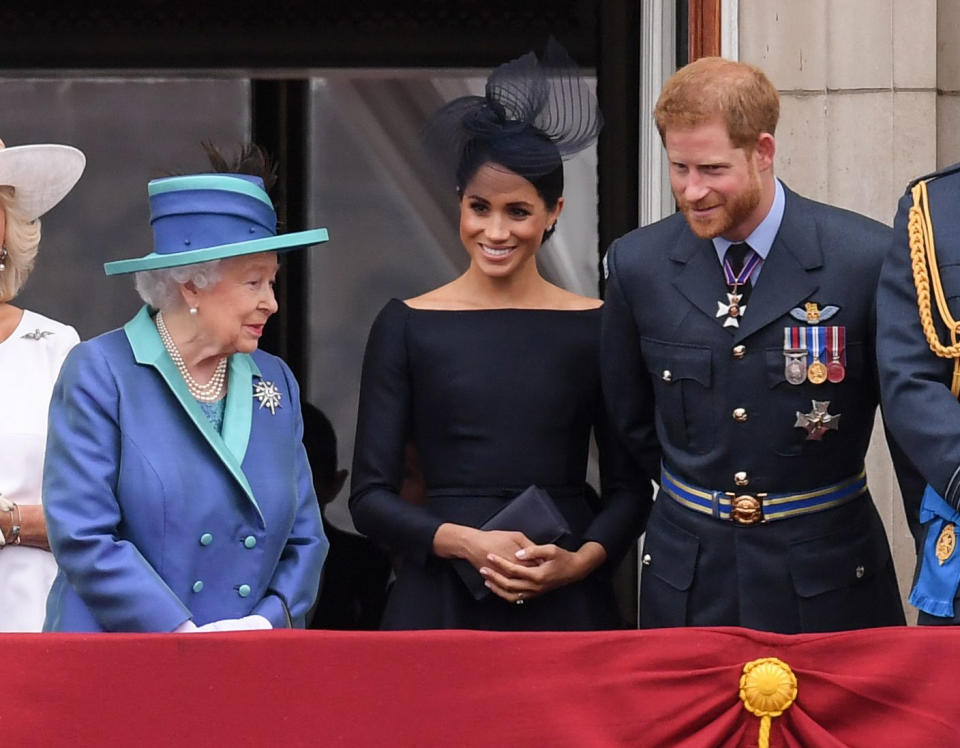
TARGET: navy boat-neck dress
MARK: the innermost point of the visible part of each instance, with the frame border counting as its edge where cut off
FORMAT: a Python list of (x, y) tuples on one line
[(494, 400)]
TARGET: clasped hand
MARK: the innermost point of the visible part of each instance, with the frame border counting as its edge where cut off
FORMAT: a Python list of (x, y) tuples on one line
[(514, 567), (534, 570)]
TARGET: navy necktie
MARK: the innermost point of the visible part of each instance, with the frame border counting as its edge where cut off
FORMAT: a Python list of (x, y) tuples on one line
[(736, 257)]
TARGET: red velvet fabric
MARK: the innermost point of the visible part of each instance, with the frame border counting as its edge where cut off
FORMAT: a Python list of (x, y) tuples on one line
[(676, 688)]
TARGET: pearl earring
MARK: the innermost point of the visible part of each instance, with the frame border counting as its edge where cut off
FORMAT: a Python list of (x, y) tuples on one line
[(3, 259), (193, 311)]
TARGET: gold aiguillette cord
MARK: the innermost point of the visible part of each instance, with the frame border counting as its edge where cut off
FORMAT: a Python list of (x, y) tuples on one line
[(926, 273)]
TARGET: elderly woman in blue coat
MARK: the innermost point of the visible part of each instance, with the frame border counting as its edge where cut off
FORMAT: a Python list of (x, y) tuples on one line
[(177, 492)]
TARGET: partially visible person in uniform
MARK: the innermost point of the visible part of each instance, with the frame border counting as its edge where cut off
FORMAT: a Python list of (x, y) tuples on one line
[(176, 487), (353, 587), (739, 366), (33, 179), (495, 378), (918, 345)]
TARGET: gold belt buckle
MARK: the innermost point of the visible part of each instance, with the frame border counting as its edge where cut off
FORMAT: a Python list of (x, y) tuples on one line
[(746, 509)]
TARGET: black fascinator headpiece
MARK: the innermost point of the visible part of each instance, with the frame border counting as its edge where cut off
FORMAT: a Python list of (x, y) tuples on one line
[(534, 114)]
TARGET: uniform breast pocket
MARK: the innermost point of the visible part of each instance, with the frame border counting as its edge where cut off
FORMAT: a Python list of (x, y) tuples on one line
[(787, 400), (845, 580), (682, 387)]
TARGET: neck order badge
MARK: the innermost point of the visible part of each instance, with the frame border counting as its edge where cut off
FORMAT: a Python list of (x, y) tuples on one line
[(738, 265)]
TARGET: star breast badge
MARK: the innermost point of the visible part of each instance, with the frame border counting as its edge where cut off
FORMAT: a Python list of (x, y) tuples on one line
[(818, 421), (268, 395)]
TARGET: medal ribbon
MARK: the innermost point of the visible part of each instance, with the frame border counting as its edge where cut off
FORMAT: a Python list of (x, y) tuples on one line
[(792, 340), (740, 279), (817, 343), (837, 348)]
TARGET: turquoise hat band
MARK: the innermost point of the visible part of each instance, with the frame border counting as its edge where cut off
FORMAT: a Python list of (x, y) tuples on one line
[(207, 182), (204, 217), (155, 261)]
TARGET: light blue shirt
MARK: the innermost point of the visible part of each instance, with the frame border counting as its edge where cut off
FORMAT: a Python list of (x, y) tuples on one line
[(761, 238)]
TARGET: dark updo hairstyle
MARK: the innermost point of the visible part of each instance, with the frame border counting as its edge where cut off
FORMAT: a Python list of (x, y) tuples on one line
[(526, 151), (533, 115)]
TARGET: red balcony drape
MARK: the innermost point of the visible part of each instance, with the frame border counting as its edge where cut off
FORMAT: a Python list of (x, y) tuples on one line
[(673, 688)]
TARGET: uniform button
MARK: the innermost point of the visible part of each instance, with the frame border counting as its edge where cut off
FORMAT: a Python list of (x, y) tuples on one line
[(741, 478), (243, 590), (667, 375), (860, 572), (197, 586), (740, 415), (249, 541), (206, 539), (647, 560), (739, 351)]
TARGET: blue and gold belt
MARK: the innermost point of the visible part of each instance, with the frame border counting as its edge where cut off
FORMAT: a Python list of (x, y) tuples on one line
[(751, 509)]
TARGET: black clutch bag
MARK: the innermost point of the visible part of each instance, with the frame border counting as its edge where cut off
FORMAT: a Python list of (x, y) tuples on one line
[(534, 514)]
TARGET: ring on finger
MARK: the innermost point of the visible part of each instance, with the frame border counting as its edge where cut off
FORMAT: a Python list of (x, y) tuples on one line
[(519, 600)]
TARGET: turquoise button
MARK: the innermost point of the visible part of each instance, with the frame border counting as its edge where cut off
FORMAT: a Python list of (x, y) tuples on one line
[(243, 590), (206, 539), (197, 586), (249, 541)]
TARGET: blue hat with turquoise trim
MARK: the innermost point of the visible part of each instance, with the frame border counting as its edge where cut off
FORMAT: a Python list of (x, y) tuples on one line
[(204, 217)]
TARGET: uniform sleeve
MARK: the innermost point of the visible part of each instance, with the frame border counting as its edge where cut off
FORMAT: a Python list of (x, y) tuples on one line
[(921, 413), (84, 445), (627, 389), (383, 428), (627, 496), (910, 481), (293, 588)]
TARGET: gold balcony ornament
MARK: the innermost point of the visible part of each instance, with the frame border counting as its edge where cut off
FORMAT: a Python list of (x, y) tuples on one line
[(767, 688)]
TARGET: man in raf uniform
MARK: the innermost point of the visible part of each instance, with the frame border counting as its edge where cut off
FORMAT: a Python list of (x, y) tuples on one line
[(738, 365), (918, 343)]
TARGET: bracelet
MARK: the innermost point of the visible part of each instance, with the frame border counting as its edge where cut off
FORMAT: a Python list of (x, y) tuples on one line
[(14, 537), (15, 530)]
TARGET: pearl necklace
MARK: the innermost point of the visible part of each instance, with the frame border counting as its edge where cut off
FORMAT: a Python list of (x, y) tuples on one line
[(205, 393)]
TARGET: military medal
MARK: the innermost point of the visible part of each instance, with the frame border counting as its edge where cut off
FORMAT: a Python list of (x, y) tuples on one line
[(946, 543), (817, 373), (795, 370), (818, 421), (836, 353), (733, 309), (795, 355)]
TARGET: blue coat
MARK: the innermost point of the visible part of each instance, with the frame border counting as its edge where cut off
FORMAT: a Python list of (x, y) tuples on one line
[(676, 380), (153, 516), (918, 404)]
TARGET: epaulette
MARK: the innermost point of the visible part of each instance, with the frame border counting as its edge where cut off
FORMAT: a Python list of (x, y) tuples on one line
[(951, 169)]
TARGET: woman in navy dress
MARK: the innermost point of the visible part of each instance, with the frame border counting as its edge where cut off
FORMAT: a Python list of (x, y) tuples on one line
[(495, 379)]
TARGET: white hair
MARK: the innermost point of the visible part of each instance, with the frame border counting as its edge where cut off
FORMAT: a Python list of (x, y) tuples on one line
[(161, 288)]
